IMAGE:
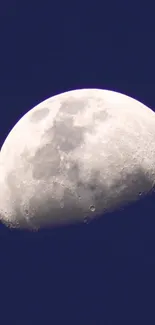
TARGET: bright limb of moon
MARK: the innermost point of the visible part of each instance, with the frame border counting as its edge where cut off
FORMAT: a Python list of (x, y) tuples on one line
[(74, 156)]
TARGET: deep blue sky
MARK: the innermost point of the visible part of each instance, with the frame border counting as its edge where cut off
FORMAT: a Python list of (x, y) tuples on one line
[(104, 270)]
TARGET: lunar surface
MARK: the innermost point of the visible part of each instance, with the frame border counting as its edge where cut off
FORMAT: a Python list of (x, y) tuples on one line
[(74, 157)]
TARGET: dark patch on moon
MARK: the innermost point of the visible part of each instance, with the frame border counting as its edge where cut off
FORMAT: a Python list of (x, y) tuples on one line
[(46, 162), (93, 185), (101, 115), (74, 172), (73, 106), (96, 187), (66, 136), (63, 136), (39, 114)]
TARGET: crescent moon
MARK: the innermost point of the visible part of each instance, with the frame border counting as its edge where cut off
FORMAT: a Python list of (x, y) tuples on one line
[(74, 157)]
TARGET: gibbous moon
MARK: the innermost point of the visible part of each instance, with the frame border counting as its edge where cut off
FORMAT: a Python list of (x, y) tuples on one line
[(74, 157)]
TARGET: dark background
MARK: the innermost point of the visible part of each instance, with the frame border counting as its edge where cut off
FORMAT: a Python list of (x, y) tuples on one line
[(100, 271)]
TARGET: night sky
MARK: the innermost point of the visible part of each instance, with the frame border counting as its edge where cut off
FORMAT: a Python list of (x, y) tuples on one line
[(99, 271)]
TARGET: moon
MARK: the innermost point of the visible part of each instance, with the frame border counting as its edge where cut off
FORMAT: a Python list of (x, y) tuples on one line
[(74, 157)]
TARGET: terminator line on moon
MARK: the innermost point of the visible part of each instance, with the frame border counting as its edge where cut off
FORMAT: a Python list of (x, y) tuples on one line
[(74, 156)]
